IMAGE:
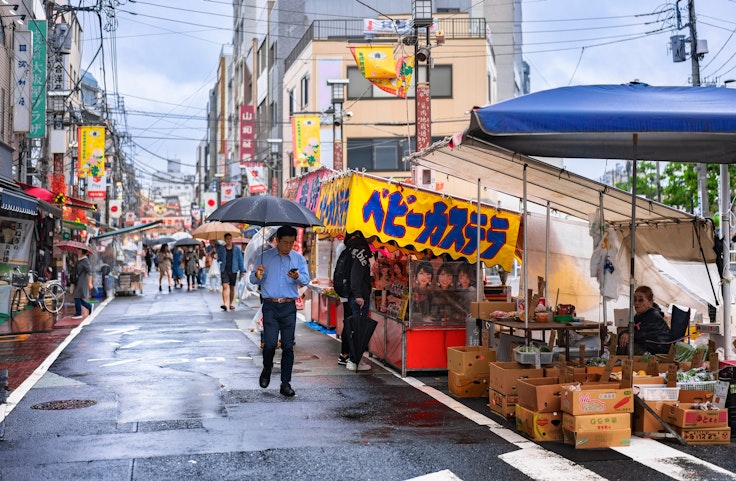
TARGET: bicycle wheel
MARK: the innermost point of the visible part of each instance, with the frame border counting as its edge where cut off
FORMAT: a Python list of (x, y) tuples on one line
[(53, 297), (15, 303)]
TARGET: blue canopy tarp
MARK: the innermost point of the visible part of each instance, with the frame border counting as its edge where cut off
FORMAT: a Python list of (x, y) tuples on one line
[(682, 124)]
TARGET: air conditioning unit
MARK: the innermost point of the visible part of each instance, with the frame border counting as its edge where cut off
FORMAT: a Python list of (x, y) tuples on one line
[(63, 38)]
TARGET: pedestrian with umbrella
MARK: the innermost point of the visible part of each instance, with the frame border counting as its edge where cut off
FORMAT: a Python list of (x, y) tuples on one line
[(165, 260), (281, 272), (83, 286)]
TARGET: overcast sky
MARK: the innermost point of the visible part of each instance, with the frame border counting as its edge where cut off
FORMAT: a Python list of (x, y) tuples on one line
[(163, 60)]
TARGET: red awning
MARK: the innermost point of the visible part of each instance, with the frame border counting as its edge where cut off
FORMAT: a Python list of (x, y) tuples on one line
[(48, 196)]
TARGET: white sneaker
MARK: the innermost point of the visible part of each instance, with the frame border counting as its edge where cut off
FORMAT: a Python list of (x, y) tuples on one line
[(351, 366), (77, 317)]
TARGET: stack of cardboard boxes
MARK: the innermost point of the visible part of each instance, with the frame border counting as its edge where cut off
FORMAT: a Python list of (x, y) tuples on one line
[(596, 416), (468, 370)]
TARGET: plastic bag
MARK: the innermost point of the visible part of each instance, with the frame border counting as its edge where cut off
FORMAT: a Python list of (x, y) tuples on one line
[(258, 320)]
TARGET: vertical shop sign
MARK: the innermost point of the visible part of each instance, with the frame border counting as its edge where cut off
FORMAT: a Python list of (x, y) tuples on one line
[(247, 134), (23, 41), (38, 82)]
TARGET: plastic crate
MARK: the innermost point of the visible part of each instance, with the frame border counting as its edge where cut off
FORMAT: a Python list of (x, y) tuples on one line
[(523, 357), (649, 392), (697, 385)]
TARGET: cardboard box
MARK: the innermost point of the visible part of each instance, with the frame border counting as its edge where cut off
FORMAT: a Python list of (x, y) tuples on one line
[(539, 426), (644, 422), (594, 439), (470, 360), (464, 386), (596, 422), (705, 435), (694, 396), (592, 400), (505, 375), (503, 404), (540, 394), (681, 414), (483, 310)]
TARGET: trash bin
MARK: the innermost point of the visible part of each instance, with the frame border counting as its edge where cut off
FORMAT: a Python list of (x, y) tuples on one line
[(729, 374)]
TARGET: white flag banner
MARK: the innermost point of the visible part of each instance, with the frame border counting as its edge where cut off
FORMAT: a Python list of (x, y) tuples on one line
[(254, 171), (115, 208), (210, 202)]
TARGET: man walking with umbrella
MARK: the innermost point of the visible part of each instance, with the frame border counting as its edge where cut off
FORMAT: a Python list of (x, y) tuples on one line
[(280, 273)]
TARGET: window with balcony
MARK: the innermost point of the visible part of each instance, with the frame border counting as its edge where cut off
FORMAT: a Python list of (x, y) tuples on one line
[(360, 88)]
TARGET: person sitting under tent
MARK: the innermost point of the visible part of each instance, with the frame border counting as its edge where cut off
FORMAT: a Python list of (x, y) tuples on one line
[(651, 334)]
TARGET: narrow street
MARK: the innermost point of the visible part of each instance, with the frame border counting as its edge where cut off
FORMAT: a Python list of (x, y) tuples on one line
[(165, 386)]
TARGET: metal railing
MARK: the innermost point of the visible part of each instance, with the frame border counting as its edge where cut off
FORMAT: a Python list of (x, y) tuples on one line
[(335, 30)]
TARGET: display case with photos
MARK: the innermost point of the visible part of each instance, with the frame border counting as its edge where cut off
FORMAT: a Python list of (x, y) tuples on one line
[(432, 293)]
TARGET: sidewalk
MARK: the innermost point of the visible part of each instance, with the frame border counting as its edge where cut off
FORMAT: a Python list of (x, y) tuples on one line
[(27, 340)]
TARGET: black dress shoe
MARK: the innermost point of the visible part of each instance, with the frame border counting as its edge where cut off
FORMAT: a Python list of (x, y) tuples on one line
[(265, 379), (286, 389)]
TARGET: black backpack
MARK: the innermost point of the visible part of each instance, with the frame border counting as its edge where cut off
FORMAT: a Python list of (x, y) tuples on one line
[(341, 276)]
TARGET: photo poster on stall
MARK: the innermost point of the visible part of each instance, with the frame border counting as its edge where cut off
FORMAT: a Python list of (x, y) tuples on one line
[(16, 237)]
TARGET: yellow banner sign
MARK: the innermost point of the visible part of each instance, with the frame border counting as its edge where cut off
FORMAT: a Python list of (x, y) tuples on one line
[(305, 132), (375, 62), (91, 151), (421, 220)]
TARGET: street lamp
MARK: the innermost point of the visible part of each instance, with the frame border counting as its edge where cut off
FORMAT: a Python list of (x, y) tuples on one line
[(421, 13), (274, 165), (338, 98)]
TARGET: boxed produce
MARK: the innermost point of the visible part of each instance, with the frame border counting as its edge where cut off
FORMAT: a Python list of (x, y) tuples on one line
[(483, 310), (505, 375), (539, 426), (596, 422), (686, 415), (589, 399), (469, 360), (705, 435), (596, 439), (466, 386), (540, 394), (645, 422), (503, 404)]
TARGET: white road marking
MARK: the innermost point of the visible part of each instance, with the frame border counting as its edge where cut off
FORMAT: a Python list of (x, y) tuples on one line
[(112, 332), (118, 363), (672, 462), (444, 475)]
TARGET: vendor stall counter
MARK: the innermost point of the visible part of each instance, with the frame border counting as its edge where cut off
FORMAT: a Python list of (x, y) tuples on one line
[(418, 319), (326, 308)]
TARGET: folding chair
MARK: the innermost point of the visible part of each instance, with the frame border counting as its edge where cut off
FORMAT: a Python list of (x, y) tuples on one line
[(679, 327)]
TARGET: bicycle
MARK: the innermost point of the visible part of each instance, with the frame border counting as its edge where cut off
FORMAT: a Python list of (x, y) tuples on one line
[(50, 295)]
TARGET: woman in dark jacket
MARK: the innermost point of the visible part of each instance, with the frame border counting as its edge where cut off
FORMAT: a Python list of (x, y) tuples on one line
[(651, 332)]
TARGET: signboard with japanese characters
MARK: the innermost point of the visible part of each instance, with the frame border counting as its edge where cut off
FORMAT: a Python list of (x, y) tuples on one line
[(22, 73), (247, 134), (408, 217), (38, 81)]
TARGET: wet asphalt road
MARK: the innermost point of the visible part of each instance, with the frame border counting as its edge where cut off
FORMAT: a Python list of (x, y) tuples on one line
[(165, 387)]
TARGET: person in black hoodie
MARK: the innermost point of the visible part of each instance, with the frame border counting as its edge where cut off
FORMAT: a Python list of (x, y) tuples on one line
[(360, 291), (650, 328)]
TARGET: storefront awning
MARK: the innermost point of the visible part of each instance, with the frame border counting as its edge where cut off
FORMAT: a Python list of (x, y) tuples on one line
[(18, 202), (128, 230)]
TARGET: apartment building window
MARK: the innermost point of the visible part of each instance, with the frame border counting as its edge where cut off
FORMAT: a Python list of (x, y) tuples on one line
[(375, 154), (262, 58), (360, 88), (291, 102), (272, 55), (304, 92)]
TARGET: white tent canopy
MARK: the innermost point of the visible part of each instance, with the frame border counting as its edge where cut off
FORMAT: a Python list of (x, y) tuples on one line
[(662, 231)]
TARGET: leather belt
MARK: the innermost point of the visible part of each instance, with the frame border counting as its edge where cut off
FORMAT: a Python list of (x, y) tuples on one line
[(280, 300)]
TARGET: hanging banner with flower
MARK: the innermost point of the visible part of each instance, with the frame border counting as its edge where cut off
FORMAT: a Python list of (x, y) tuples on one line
[(305, 132), (91, 151)]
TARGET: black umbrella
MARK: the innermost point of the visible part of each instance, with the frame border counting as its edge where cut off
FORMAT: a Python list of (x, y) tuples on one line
[(158, 241), (359, 330), (187, 241), (265, 210)]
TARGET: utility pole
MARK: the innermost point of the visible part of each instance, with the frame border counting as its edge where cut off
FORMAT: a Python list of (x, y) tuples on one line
[(695, 63)]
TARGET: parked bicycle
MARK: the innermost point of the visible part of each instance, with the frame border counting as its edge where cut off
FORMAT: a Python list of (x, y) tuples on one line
[(49, 296)]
